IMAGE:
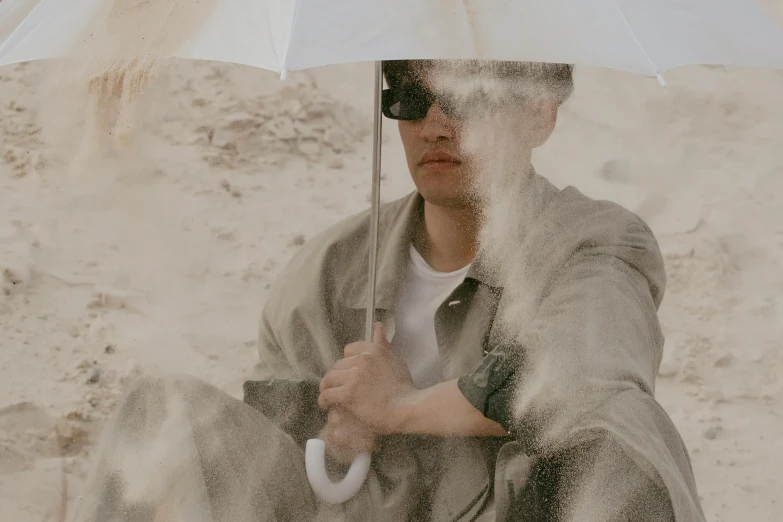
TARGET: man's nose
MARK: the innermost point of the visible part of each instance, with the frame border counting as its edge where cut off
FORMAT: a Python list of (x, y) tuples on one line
[(436, 125)]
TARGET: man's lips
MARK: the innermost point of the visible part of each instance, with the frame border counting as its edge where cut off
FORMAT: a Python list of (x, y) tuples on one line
[(438, 157)]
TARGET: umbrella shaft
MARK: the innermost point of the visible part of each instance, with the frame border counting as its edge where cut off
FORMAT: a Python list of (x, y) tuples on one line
[(375, 202)]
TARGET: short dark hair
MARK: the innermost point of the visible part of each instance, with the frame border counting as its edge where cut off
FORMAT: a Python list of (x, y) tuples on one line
[(557, 78)]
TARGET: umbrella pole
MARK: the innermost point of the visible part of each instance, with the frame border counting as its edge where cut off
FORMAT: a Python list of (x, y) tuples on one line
[(375, 202), (315, 451)]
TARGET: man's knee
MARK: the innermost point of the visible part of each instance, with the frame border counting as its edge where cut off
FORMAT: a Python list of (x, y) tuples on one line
[(157, 388), (149, 400)]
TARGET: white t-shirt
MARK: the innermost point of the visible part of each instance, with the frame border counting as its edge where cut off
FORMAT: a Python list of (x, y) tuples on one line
[(423, 290)]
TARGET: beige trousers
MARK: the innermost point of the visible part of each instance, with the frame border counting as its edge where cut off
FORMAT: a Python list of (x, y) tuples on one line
[(179, 449)]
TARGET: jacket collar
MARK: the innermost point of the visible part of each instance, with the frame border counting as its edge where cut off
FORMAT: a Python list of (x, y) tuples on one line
[(396, 231)]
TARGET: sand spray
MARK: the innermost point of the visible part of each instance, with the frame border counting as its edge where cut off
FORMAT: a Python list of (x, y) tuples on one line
[(90, 99), (495, 133)]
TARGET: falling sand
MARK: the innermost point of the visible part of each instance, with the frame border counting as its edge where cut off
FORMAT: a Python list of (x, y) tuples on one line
[(497, 135), (107, 71)]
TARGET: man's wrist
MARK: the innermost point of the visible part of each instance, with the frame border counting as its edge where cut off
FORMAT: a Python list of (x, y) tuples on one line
[(441, 410), (403, 418)]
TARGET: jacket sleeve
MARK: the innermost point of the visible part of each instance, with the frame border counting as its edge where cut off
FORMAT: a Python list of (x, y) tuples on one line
[(582, 374), (489, 386)]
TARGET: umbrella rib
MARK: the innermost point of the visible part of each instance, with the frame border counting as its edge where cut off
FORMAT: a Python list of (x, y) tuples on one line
[(284, 63), (11, 36), (658, 74)]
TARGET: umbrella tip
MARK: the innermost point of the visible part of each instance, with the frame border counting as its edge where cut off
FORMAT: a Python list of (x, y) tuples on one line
[(283, 74)]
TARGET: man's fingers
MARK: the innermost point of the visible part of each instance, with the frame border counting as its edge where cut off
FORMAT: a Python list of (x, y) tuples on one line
[(347, 436), (379, 335), (344, 445), (354, 349), (335, 377), (333, 397), (349, 363), (340, 417)]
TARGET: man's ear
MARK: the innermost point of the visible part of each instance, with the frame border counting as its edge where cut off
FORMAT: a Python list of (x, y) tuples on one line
[(544, 111)]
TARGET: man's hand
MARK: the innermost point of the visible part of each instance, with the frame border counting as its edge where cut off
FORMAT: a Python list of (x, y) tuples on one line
[(346, 437), (371, 382)]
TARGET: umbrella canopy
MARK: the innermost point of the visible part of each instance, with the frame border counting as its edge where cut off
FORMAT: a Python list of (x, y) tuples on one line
[(645, 37)]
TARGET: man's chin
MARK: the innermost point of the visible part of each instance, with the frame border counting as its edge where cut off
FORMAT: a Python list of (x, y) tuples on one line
[(450, 200)]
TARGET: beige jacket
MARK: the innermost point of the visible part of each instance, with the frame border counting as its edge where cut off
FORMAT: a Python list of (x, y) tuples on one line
[(596, 278)]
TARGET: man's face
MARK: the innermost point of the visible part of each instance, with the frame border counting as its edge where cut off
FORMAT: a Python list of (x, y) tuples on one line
[(442, 172)]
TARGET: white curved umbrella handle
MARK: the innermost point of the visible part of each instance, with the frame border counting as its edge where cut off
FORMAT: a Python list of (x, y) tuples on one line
[(328, 491)]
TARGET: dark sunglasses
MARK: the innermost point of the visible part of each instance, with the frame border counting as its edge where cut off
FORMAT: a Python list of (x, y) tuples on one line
[(412, 102)]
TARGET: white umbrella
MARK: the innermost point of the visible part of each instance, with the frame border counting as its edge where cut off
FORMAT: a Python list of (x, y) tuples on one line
[(646, 37), (640, 36)]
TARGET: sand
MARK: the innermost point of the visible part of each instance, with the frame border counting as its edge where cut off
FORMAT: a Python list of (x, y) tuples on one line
[(161, 257)]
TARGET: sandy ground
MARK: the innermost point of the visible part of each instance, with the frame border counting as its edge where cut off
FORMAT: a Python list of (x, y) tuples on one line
[(160, 259)]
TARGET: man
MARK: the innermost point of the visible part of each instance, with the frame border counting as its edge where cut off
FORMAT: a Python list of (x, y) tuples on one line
[(462, 422)]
